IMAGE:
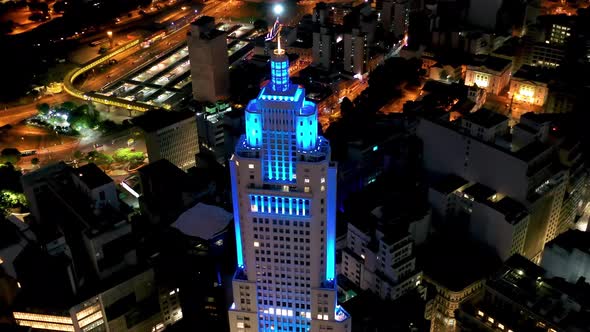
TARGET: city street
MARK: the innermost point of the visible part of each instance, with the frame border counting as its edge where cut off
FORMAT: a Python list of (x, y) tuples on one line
[(14, 115)]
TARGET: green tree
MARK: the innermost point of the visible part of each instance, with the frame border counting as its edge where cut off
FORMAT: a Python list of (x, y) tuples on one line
[(9, 155), (10, 178), (107, 126), (127, 155), (43, 108), (78, 154), (99, 158), (10, 199), (68, 106)]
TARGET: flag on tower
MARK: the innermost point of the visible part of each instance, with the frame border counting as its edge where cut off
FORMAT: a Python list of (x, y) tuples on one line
[(274, 31)]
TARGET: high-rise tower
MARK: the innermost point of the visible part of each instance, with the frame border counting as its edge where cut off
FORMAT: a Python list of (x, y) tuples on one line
[(284, 201)]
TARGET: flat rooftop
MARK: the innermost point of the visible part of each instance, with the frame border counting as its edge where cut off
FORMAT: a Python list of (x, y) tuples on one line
[(449, 184), (92, 176), (492, 62), (155, 120), (485, 118), (572, 239), (535, 74)]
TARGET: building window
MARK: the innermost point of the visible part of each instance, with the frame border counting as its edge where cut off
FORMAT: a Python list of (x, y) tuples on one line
[(251, 166), (306, 189)]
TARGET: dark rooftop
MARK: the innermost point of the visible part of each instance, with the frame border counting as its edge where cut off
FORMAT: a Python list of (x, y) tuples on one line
[(455, 262), (479, 192), (92, 176), (492, 62), (204, 20), (449, 184), (535, 74), (531, 151), (162, 167), (154, 120), (572, 239), (511, 209), (485, 118), (509, 48)]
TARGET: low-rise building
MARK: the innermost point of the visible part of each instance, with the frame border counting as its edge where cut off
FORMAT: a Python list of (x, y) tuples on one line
[(133, 304), (528, 173), (520, 298), (529, 85), (457, 270), (493, 219), (568, 256), (489, 72), (380, 257)]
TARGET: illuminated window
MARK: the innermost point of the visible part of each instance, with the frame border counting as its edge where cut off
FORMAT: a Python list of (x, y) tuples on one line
[(325, 317), (306, 189), (491, 320), (323, 180), (1, 260), (322, 188), (500, 326), (257, 244), (286, 189), (240, 325), (482, 80), (306, 180), (251, 166), (480, 313)]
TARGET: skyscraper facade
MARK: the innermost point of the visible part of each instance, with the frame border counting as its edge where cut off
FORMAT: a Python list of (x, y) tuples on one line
[(284, 201)]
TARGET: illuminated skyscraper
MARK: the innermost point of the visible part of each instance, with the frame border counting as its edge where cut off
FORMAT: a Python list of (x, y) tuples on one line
[(284, 201)]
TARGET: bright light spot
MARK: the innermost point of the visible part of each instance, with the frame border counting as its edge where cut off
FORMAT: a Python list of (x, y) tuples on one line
[(257, 244), (278, 9)]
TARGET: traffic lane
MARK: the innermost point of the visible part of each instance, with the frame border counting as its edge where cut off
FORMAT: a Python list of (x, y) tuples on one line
[(14, 115)]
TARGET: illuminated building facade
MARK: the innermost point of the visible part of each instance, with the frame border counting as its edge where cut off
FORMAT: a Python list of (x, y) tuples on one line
[(152, 308), (529, 85), (172, 136), (491, 73), (284, 202)]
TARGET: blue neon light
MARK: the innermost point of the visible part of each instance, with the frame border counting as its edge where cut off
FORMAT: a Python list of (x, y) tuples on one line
[(307, 131), (236, 206), (253, 128), (279, 70), (375, 148), (331, 224), (280, 205)]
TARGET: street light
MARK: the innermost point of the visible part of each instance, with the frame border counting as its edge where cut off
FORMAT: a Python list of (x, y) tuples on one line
[(110, 35)]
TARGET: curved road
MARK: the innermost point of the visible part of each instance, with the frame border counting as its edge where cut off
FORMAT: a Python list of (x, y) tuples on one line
[(16, 114)]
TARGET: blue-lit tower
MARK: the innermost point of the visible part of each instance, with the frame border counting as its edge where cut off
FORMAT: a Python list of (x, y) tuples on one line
[(284, 201)]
